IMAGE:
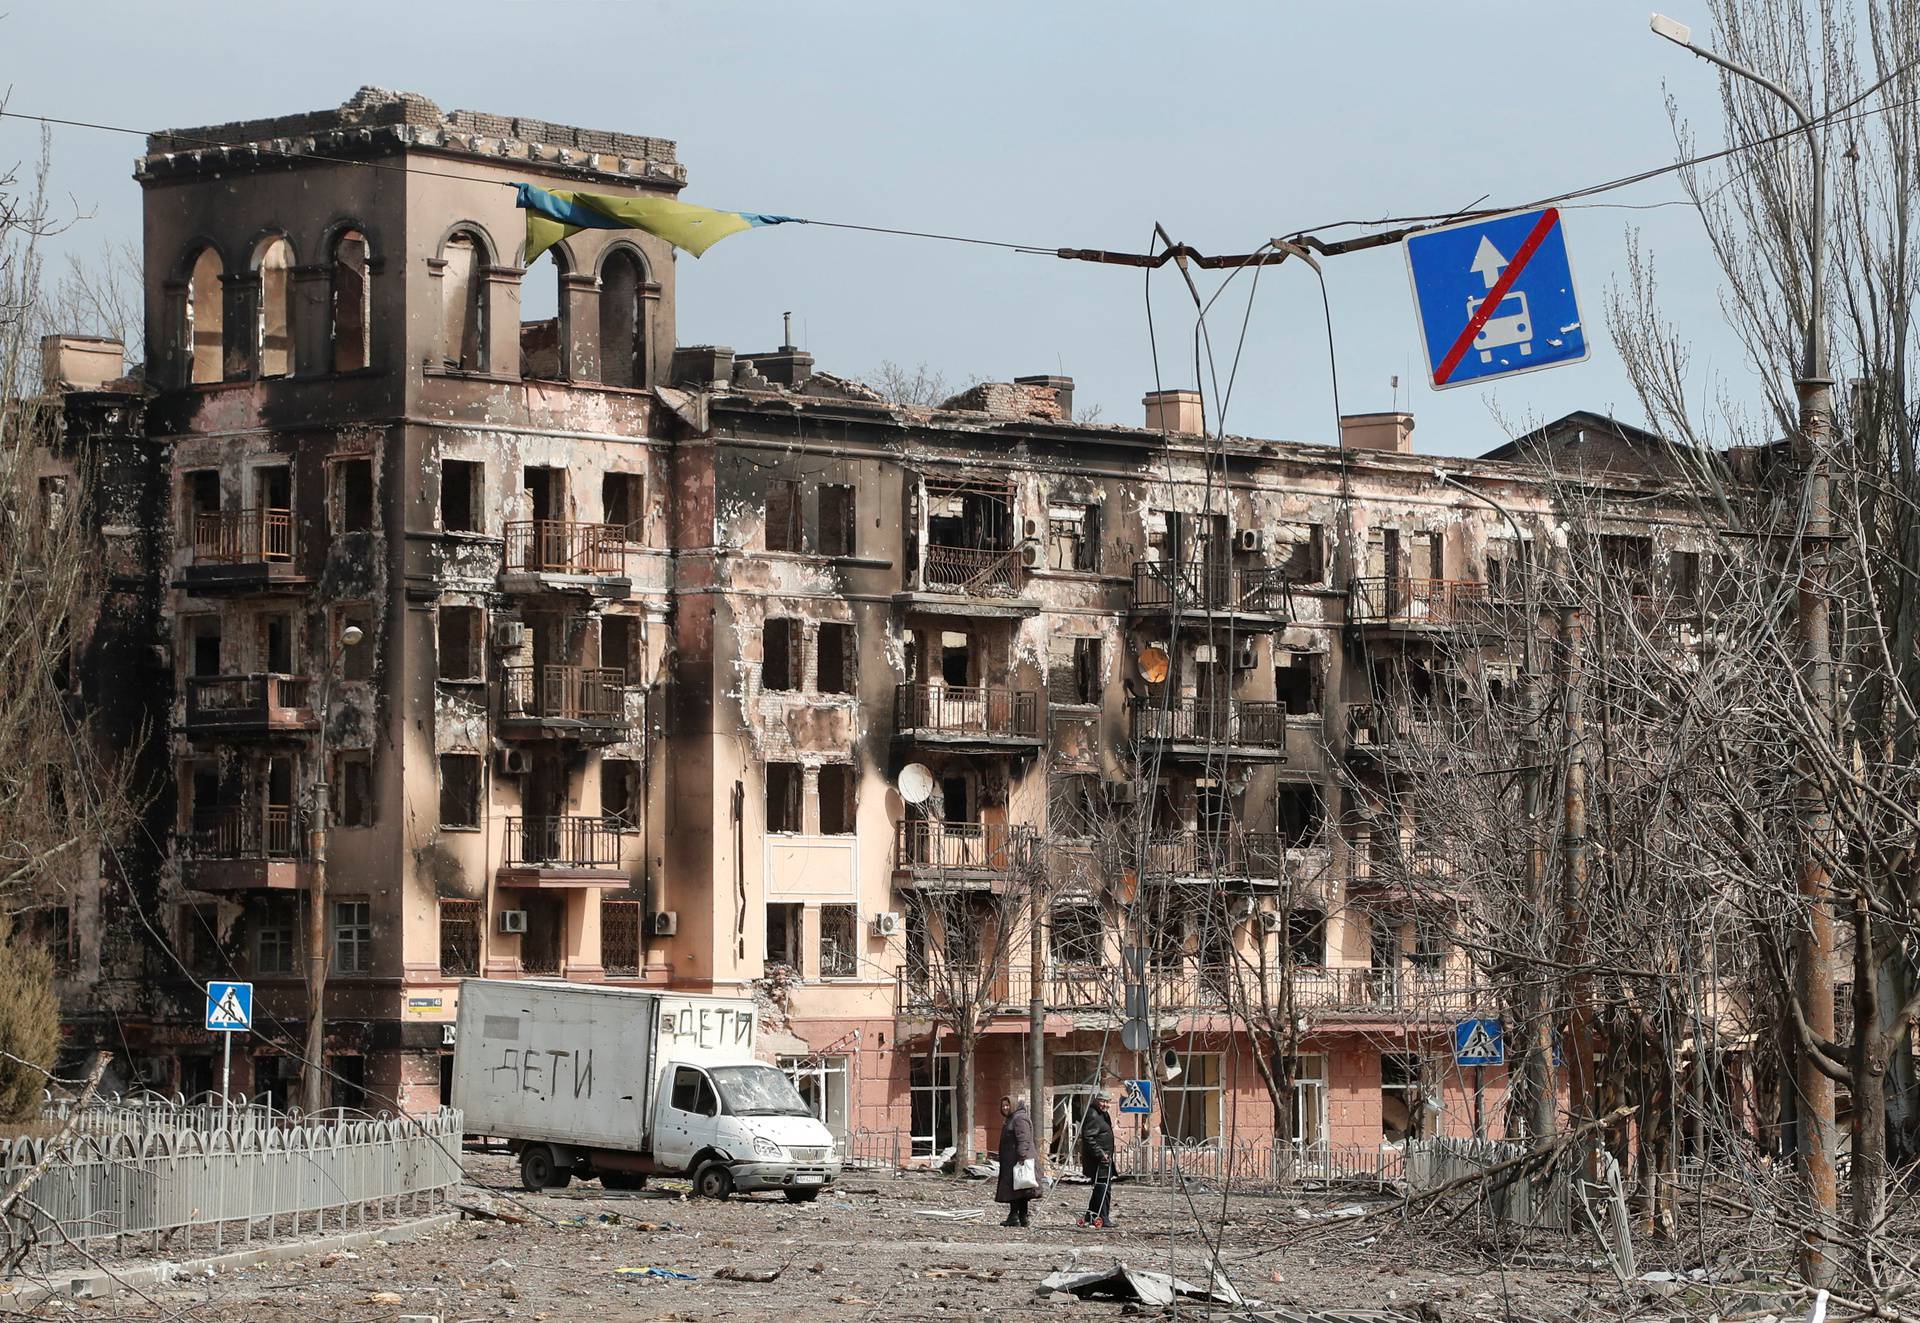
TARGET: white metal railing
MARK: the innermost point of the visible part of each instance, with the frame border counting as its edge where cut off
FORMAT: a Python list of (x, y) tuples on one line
[(197, 1175)]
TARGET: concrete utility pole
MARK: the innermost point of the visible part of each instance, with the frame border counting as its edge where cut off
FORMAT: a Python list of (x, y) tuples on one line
[(315, 1071), (1581, 1103), (1037, 1005), (1813, 963)]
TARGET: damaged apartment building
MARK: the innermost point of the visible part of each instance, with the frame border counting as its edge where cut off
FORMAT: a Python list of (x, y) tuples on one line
[(621, 661)]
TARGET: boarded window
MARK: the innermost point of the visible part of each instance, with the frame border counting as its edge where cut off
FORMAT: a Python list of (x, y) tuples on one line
[(352, 495), (462, 648), (780, 654), (353, 788), (460, 937), (839, 951), (783, 797), (620, 938), (836, 521), (783, 515), (836, 799), (459, 790), (623, 504), (834, 666), (461, 486)]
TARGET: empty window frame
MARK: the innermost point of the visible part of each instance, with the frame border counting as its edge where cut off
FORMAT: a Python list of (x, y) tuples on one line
[(463, 304), (784, 934), (199, 502), (353, 936), (1296, 683), (460, 790), (620, 644), (202, 337), (1074, 672), (783, 515), (620, 793), (462, 489), (839, 941), (835, 530), (835, 791), (781, 654), (623, 319), (1076, 936), (1075, 806), (834, 660), (462, 651), (784, 782), (1073, 537), (200, 640), (350, 320), (273, 320), (353, 788), (623, 505), (1300, 552), (1307, 937), (1432, 936), (351, 495), (1298, 814)]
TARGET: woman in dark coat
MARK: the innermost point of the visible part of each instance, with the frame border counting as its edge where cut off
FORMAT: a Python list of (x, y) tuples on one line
[(1016, 1145), (1096, 1161)]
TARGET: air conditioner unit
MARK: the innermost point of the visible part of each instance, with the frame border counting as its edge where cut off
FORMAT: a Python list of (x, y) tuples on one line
[(1031, 529), (513, 762), (1251, 539), (1122, 792), (1033, 555), (509, 635), (663, 923), (1205, 654), (513, 921), (1245, 655), (886, 923), (1271, 921)]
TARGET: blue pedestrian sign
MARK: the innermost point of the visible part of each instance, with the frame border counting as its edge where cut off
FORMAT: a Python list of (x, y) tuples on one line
[(229, 1007), (1495, 297), (1136, 1097), (1479, 1043)]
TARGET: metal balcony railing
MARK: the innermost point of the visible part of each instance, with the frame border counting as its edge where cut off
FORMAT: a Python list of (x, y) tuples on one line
[(573, 841), (975, 571), (1405, 992), (1406, 601), (242, 537), (959, 710), (1397, 726), (595, 694), (262, 699), (1203, 854), (247, 833), (931, 848), (1202, 586), (1230, 723), (565, 546)]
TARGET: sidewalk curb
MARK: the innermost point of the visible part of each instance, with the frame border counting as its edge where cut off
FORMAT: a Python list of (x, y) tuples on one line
[(96, 1285)]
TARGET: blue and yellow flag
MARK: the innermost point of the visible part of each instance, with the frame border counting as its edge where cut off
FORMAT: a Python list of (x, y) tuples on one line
[(552, 215)]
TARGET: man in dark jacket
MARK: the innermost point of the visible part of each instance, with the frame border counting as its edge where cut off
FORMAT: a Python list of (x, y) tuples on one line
[(1016, 1145), (1096, 1160)]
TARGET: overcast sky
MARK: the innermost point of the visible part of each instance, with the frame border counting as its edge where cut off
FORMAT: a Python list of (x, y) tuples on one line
[(1055, 124)]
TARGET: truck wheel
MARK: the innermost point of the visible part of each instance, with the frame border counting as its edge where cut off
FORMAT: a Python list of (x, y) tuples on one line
[(713, 1181), (801, 1196), (623, 1180), (538, 1170)]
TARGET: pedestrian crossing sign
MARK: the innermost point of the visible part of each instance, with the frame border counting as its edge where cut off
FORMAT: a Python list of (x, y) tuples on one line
[(229, 1007), (1136, 1097), (1479, 1043)]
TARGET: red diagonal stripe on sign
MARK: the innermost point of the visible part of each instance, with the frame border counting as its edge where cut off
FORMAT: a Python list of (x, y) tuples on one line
[(1535, 237)]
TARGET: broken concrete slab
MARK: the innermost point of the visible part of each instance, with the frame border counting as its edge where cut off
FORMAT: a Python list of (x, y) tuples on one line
[(1135, 1285)]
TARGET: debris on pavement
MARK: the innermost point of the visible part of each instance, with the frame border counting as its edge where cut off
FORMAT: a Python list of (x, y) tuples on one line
[(1136, 1286), (733, 1274), (660, 1274), (950, 1214)]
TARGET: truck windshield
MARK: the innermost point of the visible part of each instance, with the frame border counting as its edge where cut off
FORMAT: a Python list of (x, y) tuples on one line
[(758, 1091)]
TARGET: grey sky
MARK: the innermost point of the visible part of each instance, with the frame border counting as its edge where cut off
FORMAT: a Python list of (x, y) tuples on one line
[(1053, 124)]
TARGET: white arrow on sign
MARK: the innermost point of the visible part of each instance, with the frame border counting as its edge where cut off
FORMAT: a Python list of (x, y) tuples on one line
[(1487, 261)]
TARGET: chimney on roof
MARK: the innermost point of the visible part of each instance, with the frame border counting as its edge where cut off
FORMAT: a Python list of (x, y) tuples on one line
[(1061, 389), (1391, 432), (80, 362), (1176, 411), (788, 366)]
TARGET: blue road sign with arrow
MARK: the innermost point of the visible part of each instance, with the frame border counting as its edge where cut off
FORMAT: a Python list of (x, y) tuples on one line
[(1479, 1043), (229, 1007), (1495, 297)]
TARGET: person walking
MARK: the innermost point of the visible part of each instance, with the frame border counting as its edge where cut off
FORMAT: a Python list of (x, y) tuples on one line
[(1096, 1161), (1016, 1146)]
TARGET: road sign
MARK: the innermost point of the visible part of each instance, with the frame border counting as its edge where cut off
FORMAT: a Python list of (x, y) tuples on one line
[(1479, 1043), (1134, 1035), (230, 1007), (1495, 297), (1136, 1097)]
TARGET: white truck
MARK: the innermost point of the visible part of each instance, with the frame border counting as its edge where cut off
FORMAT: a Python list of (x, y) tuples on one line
[(624, 1083)]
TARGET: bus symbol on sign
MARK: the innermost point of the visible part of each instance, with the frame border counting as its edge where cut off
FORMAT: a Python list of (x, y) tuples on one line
[(1494, 296)]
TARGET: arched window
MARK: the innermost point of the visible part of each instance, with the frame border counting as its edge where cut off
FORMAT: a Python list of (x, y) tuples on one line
[(205, 319), (623, 319), (273, 326), (543, 318), (463, 303), (350, 325)]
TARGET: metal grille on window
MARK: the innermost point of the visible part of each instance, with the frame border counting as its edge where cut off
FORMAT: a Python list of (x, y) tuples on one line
[(620, 938), (460, 937)]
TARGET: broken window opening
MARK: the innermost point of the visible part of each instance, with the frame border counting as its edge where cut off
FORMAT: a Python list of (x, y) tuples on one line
[(623, 505), (956, 659), (835, 792), (352, 495), (1298, 815), (543, 320), (276, 644), (1074, 806), (970, 536), (784, 783), (273, 323), (460, 790), (620, 645), (835, 529), (783, 515), (623, 319), (839, 947), (1300, 552), (1296, 683), (353, 788), (619, 794), (205, 318), (1628, 559), (834, 658), (1074, 676), (462, 651), (784, 928), (1307, 937), (781, 644), (462, 482), (463, 304), (1076, 935), (1403, 1110), (202, 638), (1073, 538), (350, 326)]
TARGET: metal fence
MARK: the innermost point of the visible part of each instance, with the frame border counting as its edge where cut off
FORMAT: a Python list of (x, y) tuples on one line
[(160, 1174), (1540, 1199)]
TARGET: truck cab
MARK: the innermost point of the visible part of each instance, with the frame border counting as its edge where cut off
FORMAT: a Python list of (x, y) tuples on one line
[(741, 1127)]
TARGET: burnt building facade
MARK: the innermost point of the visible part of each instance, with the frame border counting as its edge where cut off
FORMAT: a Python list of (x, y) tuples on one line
[(648, 639)]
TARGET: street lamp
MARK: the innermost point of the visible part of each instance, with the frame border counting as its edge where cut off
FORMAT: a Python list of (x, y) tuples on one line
[(316, 1054), (1814, 941)]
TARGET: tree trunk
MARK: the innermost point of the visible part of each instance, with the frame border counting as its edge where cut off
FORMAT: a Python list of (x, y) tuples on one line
[(1867, 1057), (964, 1120)]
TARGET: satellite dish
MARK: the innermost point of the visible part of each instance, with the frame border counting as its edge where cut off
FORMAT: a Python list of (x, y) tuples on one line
[(1153, 665), (915, 783)]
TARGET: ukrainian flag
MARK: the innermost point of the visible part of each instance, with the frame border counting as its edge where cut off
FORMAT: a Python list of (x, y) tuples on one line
[(552, 215)]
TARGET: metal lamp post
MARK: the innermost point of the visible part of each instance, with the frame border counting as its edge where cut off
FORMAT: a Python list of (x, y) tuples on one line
[(1814, 943), (316, 1052)]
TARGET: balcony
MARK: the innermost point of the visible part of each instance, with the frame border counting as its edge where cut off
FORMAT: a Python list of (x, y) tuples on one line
[(970, 717), (1186, 726), (1407, 871), (570, 851), (259, 706), (564, 702), (245, 849), (565, 556), (971, 581), (242, 551), (1244, 859), (1205, 594), (1393, 605), (959, 856), (1404, 733)]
